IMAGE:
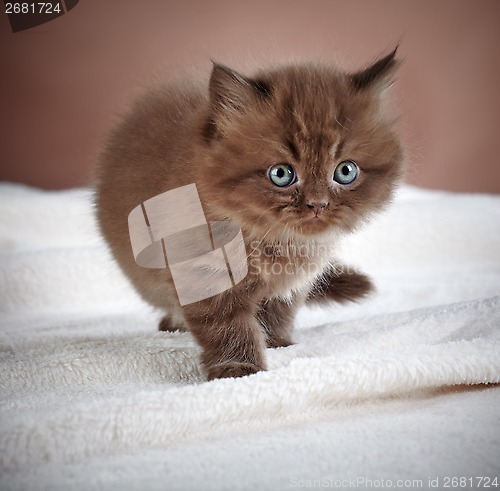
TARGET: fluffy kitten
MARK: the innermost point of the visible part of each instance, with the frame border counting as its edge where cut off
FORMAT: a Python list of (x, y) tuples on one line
[(295, 156)]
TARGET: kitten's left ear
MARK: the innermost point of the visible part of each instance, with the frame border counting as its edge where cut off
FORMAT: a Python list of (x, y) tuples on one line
[(377, 76)]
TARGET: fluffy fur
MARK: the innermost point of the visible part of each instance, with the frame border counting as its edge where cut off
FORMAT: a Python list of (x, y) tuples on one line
[(225, 139)]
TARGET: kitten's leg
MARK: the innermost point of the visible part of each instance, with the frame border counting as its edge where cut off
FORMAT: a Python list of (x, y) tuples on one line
[(167, 324), (232, 340), (276, 317), (340, 285), (173, 319)]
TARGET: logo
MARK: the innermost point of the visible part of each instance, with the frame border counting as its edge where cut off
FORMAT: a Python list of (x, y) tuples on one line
[(205, 259)]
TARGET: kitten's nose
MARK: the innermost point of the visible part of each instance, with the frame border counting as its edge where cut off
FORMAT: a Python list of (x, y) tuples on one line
[(317, 206)]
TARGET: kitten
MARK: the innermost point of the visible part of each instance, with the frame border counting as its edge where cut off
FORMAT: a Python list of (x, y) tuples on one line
[(296, 156)]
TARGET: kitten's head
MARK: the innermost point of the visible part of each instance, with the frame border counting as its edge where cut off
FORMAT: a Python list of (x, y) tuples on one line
[(299, 150)]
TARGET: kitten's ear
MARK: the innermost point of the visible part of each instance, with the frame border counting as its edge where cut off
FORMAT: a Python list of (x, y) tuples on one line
[(228, 89), (231, 93), (377, 76)]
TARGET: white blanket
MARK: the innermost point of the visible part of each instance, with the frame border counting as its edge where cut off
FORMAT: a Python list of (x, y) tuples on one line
[(397, 391)]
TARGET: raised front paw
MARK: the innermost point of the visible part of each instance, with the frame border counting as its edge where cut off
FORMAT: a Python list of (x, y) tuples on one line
[(232, 370), (341, 287)]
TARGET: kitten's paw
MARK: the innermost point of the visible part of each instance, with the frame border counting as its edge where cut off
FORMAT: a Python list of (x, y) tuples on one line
[(343, 287), (167, 325), (232, 370), (354, 286), (278, 342)]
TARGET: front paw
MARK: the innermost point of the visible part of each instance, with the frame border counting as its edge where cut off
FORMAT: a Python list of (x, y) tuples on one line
[(232, 370), (341, 287), (353, 287)]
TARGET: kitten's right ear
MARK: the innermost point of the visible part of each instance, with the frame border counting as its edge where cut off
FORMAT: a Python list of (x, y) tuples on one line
[(228, 89), (231, 94)]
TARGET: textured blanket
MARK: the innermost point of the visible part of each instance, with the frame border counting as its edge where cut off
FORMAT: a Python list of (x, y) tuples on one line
[(395, 392)]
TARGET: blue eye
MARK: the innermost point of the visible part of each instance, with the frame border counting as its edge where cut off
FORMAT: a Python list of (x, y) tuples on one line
[(282, 175), (346, 172)]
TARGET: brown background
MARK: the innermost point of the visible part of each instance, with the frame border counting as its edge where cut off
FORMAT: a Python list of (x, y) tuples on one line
[(62, 82)]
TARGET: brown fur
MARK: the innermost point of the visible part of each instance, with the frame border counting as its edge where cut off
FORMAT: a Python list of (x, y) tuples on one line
[(224, 139)]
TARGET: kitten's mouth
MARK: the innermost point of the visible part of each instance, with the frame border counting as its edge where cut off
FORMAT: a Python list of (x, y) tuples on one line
[(312, 224), (313, 221), (313, 218)]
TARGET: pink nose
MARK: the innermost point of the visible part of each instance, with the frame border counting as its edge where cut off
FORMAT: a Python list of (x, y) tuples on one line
[(317, 206)]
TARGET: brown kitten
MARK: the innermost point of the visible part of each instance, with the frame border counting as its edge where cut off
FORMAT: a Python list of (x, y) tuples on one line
[(296, 156)]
